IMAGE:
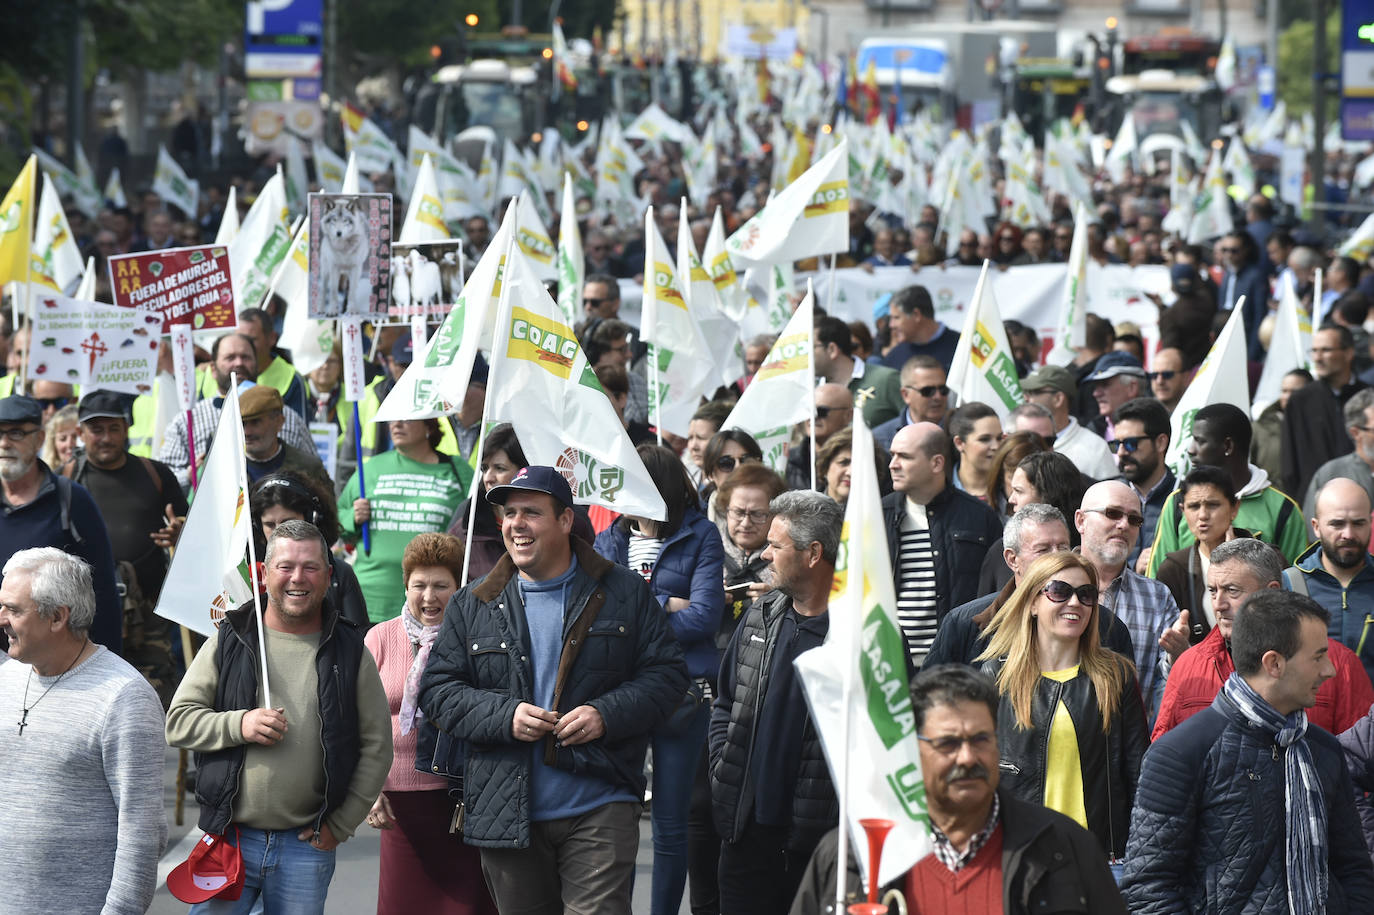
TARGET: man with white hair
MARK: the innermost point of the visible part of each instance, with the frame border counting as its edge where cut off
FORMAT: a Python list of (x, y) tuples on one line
[(83, 826)]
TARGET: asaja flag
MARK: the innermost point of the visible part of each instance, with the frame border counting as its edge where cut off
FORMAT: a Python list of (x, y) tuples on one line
[(310, 341), (261, 245), (809, 217), (114, 190), (533, 239), (229, 222), (782, 390), (435, 381), (1288, 347), (680, 369), (1221, 378), (1212, 210), (56, 258), (542, 384), (16, 224), (856, 684), (203, 581), (174, 186), (982, 368), (572, 263), (1073, 324), (425, 216)]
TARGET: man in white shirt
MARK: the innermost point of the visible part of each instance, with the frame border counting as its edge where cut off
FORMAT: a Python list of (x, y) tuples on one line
[(1053, 387)]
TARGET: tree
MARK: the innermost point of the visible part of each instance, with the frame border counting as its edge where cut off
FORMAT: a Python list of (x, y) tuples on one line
[(1296, 62)]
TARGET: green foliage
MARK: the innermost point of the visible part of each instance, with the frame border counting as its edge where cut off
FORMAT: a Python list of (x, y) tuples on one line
[(1296, 61), (380, 34)]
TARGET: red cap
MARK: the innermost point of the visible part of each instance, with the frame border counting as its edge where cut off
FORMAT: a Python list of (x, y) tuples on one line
[(213, 870)]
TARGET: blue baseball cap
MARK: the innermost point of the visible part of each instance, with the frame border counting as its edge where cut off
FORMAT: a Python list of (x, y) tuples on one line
[(1113, 364), (534, 478)]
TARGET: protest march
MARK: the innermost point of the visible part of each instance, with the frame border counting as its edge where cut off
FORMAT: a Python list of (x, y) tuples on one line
[(472, 472)]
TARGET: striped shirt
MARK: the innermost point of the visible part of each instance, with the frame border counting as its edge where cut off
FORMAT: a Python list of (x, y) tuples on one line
[(643, 554), (916, 598)]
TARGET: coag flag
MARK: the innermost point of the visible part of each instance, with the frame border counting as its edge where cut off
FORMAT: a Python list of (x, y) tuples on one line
[(856, 684), (809, 217), (1222, 378), (572, 264), (1288, 348), (542, 384), (308, 339), (56, 258), (1212, 210), (261, 245), (1073, 325), (425, 215), (681, 365), (16, 224), (733, 298), (982, 368), (204, 580), (533, 239), (174, 186), (782, 391), (329, 167)]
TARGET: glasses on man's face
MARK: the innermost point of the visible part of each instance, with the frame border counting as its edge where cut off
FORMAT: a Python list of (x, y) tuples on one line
[(1060, 592), (930, 390), (1129, 443), (1116, 514), (755, 516), (726, 463), (52, 403), (948, 746), (594, 304), (1161, 375), (17, 435), (823, 412)]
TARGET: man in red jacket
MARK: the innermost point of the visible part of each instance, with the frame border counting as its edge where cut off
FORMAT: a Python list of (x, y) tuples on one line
[(1239, 568)]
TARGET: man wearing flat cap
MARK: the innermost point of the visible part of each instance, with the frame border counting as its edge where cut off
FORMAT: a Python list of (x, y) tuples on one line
[(263, 413)]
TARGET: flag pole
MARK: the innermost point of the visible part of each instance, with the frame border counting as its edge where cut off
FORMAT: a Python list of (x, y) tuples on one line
[(252, 546), (28, 273), (362, 478), (811, 369), (655, 407), (846, 697)]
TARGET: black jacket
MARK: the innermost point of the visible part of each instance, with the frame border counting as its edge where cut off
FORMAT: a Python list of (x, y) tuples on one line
[(962, 530), (618, 656), (1050, 865), (1313, 432), (336, 665), (1110, 762), (743, 685), (1207, 832)]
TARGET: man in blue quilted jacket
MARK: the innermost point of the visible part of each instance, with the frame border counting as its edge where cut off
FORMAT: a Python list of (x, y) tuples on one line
[(1245, 807)]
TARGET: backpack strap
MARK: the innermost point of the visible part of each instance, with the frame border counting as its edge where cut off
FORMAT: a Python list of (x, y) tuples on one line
[(152, 473), (64, 501), (1294, 580)]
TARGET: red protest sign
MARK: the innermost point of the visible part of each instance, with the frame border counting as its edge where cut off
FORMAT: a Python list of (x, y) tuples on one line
[(187, 285)]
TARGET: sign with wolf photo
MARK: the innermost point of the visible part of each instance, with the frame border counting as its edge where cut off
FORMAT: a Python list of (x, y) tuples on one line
[(94, 345), (350, 256), (185, 285), (426, 278)]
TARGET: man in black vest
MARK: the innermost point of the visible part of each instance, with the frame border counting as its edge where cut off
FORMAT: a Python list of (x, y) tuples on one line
[(771, 793), (296, 777)]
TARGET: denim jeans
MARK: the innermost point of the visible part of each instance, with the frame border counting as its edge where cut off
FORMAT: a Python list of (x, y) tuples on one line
[(678, 745), (281, 874)]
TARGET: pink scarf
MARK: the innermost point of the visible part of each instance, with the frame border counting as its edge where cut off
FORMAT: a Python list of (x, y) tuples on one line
[(421, 638)]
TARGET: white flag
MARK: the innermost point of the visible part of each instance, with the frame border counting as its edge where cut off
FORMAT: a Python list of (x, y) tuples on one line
[(329, 167), (78, 185), (114, 190), (1073, 323), (1222, 378), (1123, 151), (542, 384), (203, 581), (425, 216), (533, 239), (720, 331), (1361, 242), (857, 689), (1212, 211), (1225, 71), (716, 259), (1288, 347), (261, 245), (456, 180), (681, 366), (56, 258), (310, 341), (654, 124), (781, 393), (1181, 197), (808, 217), (1237, 164), (572, 263), (374, 150), (173, 186), (229, 222), (982, 368), (85, 290)]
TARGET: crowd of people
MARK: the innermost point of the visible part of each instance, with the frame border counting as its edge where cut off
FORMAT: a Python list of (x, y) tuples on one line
[(1134, 689)]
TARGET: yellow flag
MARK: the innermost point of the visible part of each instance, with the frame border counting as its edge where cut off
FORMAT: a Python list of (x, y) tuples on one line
[(16, 225)]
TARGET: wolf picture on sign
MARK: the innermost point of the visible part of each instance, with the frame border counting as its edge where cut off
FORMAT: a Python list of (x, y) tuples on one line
[(350, 255)]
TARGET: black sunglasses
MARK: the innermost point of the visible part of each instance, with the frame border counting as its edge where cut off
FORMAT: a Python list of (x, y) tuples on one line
[(588, 302), (1160, 376), (1130, 444), (1116, 514), (1060, 592), (930, 390), (728, 463)]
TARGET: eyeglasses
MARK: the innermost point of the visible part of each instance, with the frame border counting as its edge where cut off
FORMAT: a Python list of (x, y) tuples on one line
[(1130, 444), (929, 390), (948, 746), (588, 302), (53, 403), (727, 463), (1160, 376), (823, 412), (1116, 514), (757, 516), (1060, 592), (15, 436)]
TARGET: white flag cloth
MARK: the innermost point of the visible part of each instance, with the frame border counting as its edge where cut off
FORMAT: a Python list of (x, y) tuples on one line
[(85, 290), (982, 368), (1181, 197), (1225, 72), (374, 150), (114, 190), (808, 217), (425, 216), (572, 262), (56, 259), (856, 685), (329, 167), (1221, 378), (1237, 164), (1212, 211), (78, 185), (456, 180), (173, 186), (733, 298), (203, 580), (542, 384), (1073, 323), (1288, 348), (229, 222), (720, 331), (533, 239), (681, 366), (654, 124), (1123, 151), (297, 182), (1361, 242), (782, 391), (309, 340), (261, 245)]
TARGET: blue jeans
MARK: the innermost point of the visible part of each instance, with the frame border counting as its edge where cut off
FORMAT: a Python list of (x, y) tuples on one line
[(281, 874), (678, 744)]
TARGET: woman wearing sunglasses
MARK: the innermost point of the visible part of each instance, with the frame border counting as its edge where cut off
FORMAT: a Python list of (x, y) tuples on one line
[(724, 452), (1209, 508), (1071, 725)]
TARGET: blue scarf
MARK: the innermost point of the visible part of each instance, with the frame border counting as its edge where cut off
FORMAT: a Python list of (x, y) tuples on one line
[(1305, 805)]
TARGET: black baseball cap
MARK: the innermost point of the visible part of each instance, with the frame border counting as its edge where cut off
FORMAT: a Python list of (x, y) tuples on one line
[(534, 479), (20, 409), (102, 405)]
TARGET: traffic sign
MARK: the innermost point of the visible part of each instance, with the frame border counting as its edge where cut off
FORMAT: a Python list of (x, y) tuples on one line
[(283, 38), (1357, 70)]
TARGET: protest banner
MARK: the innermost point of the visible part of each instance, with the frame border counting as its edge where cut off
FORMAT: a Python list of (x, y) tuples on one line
[(350, 256), (93, 345), (185, 285), (426, 278)]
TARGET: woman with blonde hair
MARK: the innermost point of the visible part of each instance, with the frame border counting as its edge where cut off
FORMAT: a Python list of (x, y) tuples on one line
[(1071, 727)]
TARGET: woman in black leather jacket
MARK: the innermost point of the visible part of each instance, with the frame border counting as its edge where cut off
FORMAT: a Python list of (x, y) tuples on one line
[(1071, 726)]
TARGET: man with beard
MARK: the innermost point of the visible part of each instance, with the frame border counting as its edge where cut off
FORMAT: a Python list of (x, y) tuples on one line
[(40, 508), (1337, 571), (1141, 440)]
